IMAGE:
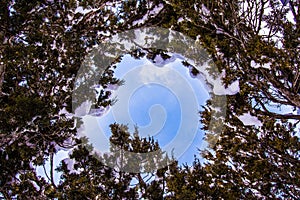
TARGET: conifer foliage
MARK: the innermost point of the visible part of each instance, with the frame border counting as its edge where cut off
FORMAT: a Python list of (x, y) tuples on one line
[(43, 44)]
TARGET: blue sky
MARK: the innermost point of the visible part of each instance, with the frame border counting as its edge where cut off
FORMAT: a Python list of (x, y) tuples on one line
[(163, 101)]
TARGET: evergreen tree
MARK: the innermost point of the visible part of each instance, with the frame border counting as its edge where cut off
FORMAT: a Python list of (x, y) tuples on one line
[(43, 46), (253, 42), (84, 175), (248, 41)]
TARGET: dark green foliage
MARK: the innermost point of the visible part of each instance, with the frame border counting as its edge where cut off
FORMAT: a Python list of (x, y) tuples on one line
[(247, 162), (43, 45), (91, 179)]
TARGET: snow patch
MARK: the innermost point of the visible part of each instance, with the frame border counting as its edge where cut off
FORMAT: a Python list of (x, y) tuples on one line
[(83, 11), (205, 10), (180, 20), (156, 9), (266, 66), (233, 88), (152, 13), (216, 83), (255, 65), (249, 120), (219, 88), (83, 109), (290, 17), (63, 111)]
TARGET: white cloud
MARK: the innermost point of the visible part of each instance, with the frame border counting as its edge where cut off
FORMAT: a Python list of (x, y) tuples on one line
[(150, 73)]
